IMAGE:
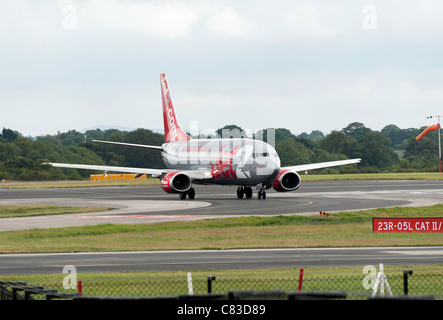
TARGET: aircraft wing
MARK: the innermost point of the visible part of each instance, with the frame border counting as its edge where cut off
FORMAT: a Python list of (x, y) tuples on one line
[(193, 174), (320, 165)]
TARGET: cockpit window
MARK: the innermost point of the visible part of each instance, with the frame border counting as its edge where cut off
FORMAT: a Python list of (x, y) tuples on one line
[(263, 154)]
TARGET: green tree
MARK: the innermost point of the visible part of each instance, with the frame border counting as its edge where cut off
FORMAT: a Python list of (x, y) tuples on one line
[(10, 135), (393, 133), (71, 138), (356, 130), (271, 135), (399, 136), (377, 151), (423, 154), (339, 143), (292, 152), (333, 141), (231, 131), (316, 135), (136, 157)]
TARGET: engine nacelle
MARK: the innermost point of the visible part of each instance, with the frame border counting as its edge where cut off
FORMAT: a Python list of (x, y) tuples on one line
[(176, 182), (287, 180)]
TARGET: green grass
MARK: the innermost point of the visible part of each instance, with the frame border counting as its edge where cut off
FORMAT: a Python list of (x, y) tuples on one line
[(14, 211), (76, 184), (374, 176), (338, 230)]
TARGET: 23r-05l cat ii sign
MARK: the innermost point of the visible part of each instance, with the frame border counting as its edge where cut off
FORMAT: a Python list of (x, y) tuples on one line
[(407, 225)]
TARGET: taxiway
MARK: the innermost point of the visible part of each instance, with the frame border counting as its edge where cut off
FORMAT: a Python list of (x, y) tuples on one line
[(150, 204)]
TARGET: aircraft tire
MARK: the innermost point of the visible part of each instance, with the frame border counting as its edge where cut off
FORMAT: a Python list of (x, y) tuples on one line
[(191, 193), (182, 195), (261, 194), (240, 192), (248, 192)]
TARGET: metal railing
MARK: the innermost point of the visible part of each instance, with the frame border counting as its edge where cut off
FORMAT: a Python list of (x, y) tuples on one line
[(18, 290)]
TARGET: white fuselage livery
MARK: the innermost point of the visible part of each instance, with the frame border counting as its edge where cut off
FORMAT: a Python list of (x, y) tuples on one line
[(244, 162)]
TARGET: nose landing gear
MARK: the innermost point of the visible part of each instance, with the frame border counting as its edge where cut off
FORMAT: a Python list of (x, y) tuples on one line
[(261, 194)]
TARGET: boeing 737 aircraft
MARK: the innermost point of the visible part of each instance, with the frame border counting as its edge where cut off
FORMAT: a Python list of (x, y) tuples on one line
[(245, 163)]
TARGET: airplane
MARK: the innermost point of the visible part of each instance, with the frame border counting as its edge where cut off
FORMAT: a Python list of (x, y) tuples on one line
[(241, 162)]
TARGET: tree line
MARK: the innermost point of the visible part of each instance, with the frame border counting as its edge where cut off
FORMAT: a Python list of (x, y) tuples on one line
[(390, 150)]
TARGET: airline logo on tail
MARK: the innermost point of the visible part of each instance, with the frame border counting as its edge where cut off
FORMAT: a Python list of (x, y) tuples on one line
[(172, 130)]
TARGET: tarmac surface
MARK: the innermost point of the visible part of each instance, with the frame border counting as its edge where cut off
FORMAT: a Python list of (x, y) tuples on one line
[(218, 259), (149, 204)]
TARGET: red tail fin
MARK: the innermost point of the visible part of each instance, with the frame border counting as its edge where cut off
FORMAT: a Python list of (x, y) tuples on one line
[(172, 129)]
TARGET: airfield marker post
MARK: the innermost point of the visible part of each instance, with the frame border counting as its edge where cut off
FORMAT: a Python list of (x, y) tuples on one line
[(210, 279), (381, 282), (190, 289), (80, 287), (405, 281), (300, 279)]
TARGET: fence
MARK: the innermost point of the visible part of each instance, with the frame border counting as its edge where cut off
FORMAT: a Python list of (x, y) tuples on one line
[(399, 284)]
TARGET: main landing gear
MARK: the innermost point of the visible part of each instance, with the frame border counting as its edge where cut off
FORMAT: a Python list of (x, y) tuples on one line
[(242, 191), (247, 191), (190, 193), (261, 194)]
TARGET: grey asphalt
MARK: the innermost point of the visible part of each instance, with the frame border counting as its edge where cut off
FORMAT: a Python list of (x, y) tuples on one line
[(218, 259), (150, 204)]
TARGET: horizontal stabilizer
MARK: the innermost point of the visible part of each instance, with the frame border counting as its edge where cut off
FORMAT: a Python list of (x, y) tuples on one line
[(131, 145)]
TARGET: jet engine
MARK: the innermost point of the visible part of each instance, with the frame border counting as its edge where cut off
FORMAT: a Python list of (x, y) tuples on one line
[(176, 182), (287, 180)]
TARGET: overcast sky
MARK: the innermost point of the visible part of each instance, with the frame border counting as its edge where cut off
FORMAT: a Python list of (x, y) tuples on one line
[(300, 65)]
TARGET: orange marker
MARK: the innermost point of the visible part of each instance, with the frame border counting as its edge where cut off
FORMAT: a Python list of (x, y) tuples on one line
[(427, 130)]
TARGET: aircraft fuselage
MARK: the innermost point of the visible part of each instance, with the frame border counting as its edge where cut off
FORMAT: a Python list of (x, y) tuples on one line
[(244, 162)]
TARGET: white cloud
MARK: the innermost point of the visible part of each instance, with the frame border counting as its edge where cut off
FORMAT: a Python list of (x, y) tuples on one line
[(305, 21), (228, 22), (228, 61), (170, 19), (411, 21)]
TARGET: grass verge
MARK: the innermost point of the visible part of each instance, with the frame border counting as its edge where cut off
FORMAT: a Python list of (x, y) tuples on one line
[(375, 176), (14, 211), (77, 184)]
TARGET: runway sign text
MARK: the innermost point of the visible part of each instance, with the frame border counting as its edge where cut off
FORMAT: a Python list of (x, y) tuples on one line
[(407, 225)]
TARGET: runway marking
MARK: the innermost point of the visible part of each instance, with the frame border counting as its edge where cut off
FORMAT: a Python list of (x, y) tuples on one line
[(136, 217), (417, 252)]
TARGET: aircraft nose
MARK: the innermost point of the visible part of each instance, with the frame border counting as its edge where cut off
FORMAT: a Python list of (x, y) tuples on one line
[(276, 165), (272, 166)]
